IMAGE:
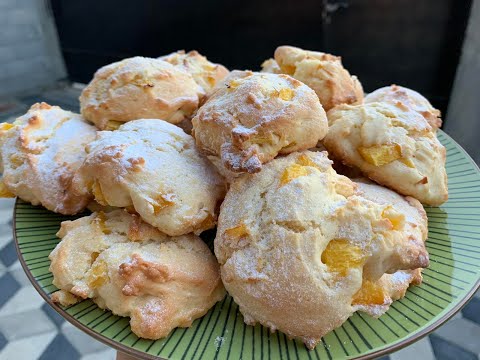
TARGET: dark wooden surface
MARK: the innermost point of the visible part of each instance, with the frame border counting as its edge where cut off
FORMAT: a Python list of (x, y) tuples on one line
[(409, 42)]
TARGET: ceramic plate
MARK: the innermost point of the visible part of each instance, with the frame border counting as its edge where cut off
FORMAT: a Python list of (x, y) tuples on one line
[(449, 282)]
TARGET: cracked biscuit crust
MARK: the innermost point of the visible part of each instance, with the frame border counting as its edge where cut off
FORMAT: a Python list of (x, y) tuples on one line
[(323, 72), (392, 145), (134, 270), (296, 242), (154, 167), (410, 98), (137, 88), (255, 117), (40, 153), (205, 73)]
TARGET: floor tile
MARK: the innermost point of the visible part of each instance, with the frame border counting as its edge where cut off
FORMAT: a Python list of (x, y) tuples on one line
[(458, 315), (84, 343), (28, 349), (25, 324), (11, 109), (468, 338), (8, 254), (6, 236), (3, 341), (19, 274), (445, 350), (3, 270), (6, 210), (16, 265), (471, 311), (24, 299), (57, 319), (108, 354), (9, 287), (60, 346), (7, 204), (421, 349)]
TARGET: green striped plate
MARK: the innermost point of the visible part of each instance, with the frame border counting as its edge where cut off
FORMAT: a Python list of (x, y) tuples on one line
[(451, 279)]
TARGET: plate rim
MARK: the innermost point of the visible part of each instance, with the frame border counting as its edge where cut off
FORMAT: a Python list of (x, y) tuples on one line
[(143, 355)]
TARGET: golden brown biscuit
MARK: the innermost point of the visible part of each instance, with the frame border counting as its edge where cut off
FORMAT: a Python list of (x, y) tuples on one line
[(131, 268), (154, 168), (255, 117), (271, 66), (392, 145), (410, 98), (324, 73), (137, 88), (338, 166), (205, 73), (40, 153), (375, 297), (296, 242)]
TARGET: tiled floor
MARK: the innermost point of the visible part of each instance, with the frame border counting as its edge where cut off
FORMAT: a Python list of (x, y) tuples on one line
[(48, 336)]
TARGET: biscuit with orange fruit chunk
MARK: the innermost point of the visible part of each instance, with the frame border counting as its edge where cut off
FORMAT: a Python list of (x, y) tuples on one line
[(296, 242), (271, 66), (205, 73), (153, 168), (39, 155), (391, 144), (323, 72), (139, 88), (254, 118), (375, 297), (4, 192), (133, 269), (410, 98)]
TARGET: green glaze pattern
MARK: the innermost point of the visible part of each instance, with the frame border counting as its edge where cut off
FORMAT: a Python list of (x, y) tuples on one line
[(451, 279)]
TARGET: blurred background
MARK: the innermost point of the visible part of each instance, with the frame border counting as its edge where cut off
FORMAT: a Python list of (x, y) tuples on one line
[(49, 48)]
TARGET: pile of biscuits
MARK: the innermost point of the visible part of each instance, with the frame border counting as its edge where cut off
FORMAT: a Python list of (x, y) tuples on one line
[(316, 190)]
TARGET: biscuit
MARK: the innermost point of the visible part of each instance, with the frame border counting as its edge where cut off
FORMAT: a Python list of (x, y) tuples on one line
[(40, 153), (410, 98), (137, 88), (205, 73), (391, 287), (338, 166), (323, 72), (296, 242), (255, 117), (153, 167), (131, 268), (375, 298), (392, 145), (271, 66)]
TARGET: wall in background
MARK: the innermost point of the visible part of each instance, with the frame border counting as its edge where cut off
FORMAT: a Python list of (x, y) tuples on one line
[(409, 42), (463, 118), (30, 56)]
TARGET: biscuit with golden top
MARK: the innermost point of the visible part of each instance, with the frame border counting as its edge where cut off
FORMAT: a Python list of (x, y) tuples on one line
[(40, 153), (137, 88), (271, 66), (255, 117), (205, 73), (392, 145), (154, 168), (131, 268), (323, 72), (410, 98), (375, 297), (296, 242)]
